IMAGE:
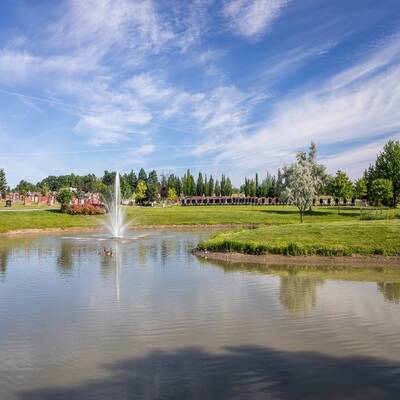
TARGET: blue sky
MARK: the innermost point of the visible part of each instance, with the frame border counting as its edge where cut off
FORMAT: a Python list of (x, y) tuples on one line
[(233, 86)]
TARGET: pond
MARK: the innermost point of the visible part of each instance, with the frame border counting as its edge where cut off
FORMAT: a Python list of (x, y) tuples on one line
[(154, 321)]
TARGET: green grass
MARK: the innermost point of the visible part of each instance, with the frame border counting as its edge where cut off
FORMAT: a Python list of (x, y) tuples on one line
[(212, 215), (10, 221), (177, 215), (325, 239)]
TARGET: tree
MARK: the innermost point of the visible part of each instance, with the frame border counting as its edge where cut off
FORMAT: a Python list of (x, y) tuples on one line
[(152, 186), (211, 186), (24, 187), (108, 179), (387, 166), (142, 175), (3, 183), (318, 170), (132, 180), (171, 194), (200, 185), (381, 191), (217, 189), (64, 197), (301, 185), (360, 188), (141, 192), (228, 187), (341, 186), (126, 190)]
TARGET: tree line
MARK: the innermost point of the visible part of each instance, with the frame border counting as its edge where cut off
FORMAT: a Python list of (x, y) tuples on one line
[(380, 183)]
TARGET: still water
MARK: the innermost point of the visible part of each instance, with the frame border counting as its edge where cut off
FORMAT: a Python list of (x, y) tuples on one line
[(156, 322)]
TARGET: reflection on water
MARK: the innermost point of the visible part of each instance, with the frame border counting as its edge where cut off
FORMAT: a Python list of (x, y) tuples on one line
[(153, 321), (298, 294), (391, 291)]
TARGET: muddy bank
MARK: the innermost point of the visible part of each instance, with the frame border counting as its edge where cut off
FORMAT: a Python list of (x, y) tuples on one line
[(354, 261)]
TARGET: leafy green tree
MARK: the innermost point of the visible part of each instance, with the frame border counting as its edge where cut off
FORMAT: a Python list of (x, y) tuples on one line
[(141, 192), (360, 188), (64, 197), (341, 186), (152, 186), (126, 190), (228, 187), (171, 194), (3, 183), (24, 187), (387, 166), (381, 191), (44, 190)]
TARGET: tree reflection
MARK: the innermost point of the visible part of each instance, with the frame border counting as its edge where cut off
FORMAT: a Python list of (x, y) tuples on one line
[(298, 294), (390, 291), (65, 259), (4, 253)]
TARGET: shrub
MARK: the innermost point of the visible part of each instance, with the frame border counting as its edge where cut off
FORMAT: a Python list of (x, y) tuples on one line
[(86, 209)]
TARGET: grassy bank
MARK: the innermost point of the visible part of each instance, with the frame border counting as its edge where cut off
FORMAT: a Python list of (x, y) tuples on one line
[(16, 220), (208, 215), (323, 239)]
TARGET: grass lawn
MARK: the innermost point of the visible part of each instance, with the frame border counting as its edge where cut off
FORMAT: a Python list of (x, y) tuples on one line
[(336, 238), (177, 215), (15, 220), (211, 215)]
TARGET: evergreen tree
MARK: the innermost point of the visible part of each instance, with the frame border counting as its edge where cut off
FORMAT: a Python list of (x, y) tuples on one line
[(3, 183), (211, 186), (152, 186), (205, 186), (217, 189), (200, 185), (223, 185), (257, 186), (142, 175), (108, 179), (228, 187), (132, 180)]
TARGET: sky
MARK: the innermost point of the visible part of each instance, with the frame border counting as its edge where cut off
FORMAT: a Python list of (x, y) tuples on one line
[(230, 86)]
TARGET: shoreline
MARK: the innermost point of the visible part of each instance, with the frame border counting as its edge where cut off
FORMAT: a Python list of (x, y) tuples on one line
[(277, 259), (30, 231)]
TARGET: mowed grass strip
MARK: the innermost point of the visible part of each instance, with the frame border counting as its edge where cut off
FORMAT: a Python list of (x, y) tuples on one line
[(213, 215), (323, 239), (177, 215), (18, 220)]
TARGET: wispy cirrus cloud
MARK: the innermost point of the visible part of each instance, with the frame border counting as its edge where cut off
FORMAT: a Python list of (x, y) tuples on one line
[(362, 107), (252, 17)]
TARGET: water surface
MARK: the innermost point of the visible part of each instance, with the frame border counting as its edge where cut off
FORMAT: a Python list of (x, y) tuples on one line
[(156, 322)]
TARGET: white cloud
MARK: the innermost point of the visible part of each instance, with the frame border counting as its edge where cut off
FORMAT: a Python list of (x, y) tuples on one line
[(111, 126), (252, 17), (360, 110)]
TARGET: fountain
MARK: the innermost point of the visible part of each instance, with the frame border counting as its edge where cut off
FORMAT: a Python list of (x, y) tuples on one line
[(116, 224)]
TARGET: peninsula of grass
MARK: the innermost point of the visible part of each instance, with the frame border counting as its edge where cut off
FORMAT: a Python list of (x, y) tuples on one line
[(363, 238)]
